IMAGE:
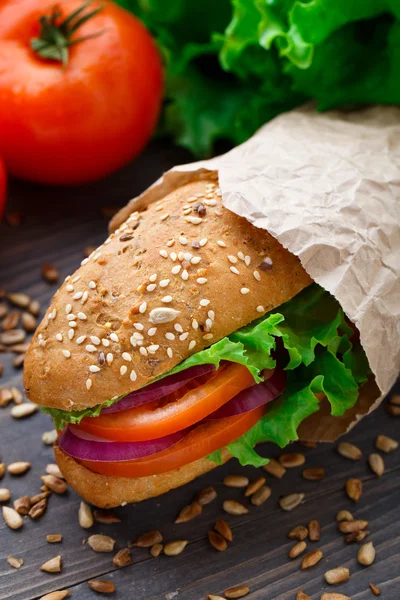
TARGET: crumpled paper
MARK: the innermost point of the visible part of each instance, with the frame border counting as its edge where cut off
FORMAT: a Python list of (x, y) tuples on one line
[(327, 186)]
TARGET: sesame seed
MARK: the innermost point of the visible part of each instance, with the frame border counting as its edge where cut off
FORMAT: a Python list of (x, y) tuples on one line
[(195, 324), (187, 256), (153, 277), (195, 260), (84, 262), (92, 285), (94, 369), (164, 283), (54, 313), (194, 220), (169, 336), (211, 315), (90, 348), (221, 243), (232, 259), (71, 317), (257, 275), (164, 253), (137, 335), (133, 375), (182, 240), (114, 337), (143, 307), (234, 270), (126, 356), (241, 255), (183, 336), (209, 323), (143, 351), (247, 260), (69, 288), (192, 344), (109, 358), (82, 316), (187, 211), (208, 336), (66, 353), (59, 337), (192, 199), (152, 331), (81, 339), (97, 255), (181, 256), (68, 277), (173, 256), (203, 242), (88, 384), (71, 333), (85, 297), (185, 275), (204, 302), (153, 348), (123, 370), (175, 270), (77, 296), (151, 287), (201, 280), (72, 324), (138, 326), (178, 328), (68, 309), (164, 217), (170, 352), (244, 290), (105, 342), (95, 340), (166, 299), (158, 208), (170, 243)]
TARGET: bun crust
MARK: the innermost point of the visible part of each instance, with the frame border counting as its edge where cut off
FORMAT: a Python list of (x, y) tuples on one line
[(108, 492), (167, 283)]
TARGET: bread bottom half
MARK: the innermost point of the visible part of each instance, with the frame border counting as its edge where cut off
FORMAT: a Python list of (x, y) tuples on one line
[(109, 492)]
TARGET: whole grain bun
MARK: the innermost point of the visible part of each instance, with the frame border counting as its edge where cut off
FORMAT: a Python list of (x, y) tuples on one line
[(170, 281), (108, 492)]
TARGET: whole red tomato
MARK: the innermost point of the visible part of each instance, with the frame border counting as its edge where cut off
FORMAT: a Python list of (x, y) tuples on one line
[(3, 187), (75, 110)]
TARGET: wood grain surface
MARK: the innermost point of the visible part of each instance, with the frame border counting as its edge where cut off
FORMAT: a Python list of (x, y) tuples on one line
[(57, 225)]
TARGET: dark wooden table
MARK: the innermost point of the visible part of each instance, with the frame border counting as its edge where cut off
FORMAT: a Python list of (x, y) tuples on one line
[(57, 225)]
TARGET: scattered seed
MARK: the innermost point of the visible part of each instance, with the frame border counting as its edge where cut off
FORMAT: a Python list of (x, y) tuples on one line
[(297, 549), (254, 486), (20, 348), (10, 321), (5, 495), (217, 541), (49, 437), (392, 409), (22, 505), (18, 361), (206, 496), (3, 311), (314, 531), (311, 559), (351, 526), (2, 469), (50, 273), (292, 459), (175, 548), (53, 565), (374, 589), (236, 481), (357, 536), (376, 464), (34, 308), (17, 395), (223, 529), (28, 322), (238, 591), (55, 484), (354, 489), (395, 399), (54, 538), (148, 539), (189, 512), (85, 516), (122, 558), (338, 575), (232, 507), (14, 562), (101, 543), (101, 586), (261, 496), (21, 411), (298, 533), (344, 515), (334, 596), (156, 550), (19, 300), (274, 468), (38, 497), (314, 474), (214, 597), (386, 444), (13, 336), (302, 596), (37, 509), (5, 397), (12, 518), (106, 516), (53, 469), (349, 451), (59, 595), (366, 554), (291, 501), (18, 468)]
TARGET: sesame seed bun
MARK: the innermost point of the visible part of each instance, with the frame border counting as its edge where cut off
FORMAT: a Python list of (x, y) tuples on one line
[(167, 283)]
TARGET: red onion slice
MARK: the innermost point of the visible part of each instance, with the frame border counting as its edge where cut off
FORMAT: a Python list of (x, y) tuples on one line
[(159, 389), (252, 397), (97, 449)]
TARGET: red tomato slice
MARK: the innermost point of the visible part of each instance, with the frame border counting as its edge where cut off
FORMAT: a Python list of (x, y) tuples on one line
[(200, 442), (162, 417)]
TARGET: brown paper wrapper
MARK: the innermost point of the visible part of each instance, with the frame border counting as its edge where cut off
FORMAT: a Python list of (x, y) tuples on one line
[(327, 186)]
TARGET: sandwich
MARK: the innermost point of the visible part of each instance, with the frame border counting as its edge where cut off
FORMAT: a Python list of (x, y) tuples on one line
[(187, 339)]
